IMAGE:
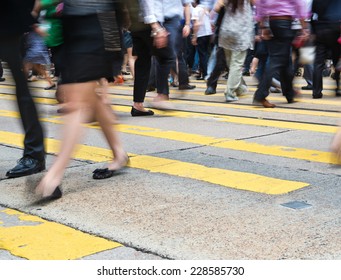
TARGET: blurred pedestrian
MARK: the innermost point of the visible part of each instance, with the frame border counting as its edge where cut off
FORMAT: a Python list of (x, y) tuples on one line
[(326, 28), (92, 45), (16, 19), (149, 38), (275, 20), (236, 36)]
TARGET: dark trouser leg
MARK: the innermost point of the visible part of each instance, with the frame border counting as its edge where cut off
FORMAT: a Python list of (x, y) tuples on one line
[(142, 49), (203, 47), (1, 70), (280, 60), (182, 67), (308, 73), (166, 57), (34, 138), (218, 68), (319, 63)]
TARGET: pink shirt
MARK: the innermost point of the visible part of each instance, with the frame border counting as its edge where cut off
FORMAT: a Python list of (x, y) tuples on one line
[(295, 8)]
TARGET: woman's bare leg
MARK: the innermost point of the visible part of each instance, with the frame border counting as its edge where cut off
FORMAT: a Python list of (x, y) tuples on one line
[(105, 117), (79, 110), (131, 61)]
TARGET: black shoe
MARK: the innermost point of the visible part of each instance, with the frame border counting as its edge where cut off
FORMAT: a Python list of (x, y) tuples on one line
[(210, 90), (150, 88), (57, 193), (26, 166), (137, 113), (50, 87), (184, 87), (200, 78), (2, 79), (307, 87), (318, 96), (125, 73)]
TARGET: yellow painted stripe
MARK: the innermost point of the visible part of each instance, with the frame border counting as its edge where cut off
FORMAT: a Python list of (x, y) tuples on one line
[(46, 240), (228, 119), (238, 145), (223, 177), (241, 120), (251, 107), (226, 143), (259, 108)]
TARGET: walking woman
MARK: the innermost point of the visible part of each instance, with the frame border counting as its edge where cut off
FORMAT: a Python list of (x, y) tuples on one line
[(236, 36), (92, 41)]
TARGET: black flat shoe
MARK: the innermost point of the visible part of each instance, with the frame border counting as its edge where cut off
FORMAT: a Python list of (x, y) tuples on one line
[(137, 113), (102, 173), (57, 193), (50, 87), (185, 87)]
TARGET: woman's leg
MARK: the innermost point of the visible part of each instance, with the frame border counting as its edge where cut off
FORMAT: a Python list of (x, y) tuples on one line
[(79, 109), (104, 115)]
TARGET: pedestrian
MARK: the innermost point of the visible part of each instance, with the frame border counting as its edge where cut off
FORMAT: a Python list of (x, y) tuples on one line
[(92, 45), (149, 38), (326, 28), (236, 36), (275, 20), (202, 33), (16, 19)]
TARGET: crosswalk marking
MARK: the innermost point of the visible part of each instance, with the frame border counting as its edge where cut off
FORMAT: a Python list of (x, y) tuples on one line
[(226, 143), (223, 177), (230, 119), (34, 238)]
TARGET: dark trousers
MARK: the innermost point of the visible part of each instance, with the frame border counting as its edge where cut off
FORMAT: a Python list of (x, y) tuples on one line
[(203, 48), (143, 48), (326, 40), (219, 67), (178, 44), (248, 60), (279, 48), (190, 52), (1, 70), (34, 138), (56, 58)]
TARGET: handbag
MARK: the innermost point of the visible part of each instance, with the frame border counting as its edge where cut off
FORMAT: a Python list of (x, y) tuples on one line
[(307, 55)]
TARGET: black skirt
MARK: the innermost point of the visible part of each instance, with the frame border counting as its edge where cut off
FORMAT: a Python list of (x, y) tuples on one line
[(92, 48)]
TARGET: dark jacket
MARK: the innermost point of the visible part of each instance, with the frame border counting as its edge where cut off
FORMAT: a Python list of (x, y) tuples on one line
[(15, 17), (327, 10)]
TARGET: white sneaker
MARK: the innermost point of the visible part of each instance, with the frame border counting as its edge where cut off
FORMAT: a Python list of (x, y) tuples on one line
[(230, 98)]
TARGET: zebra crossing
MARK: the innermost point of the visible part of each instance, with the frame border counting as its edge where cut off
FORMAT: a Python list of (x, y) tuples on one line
[(203, 149)]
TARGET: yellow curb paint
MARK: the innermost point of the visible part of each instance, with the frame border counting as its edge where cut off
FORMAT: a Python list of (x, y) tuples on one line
[(44, 240), (238, 145), (223, 177)]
